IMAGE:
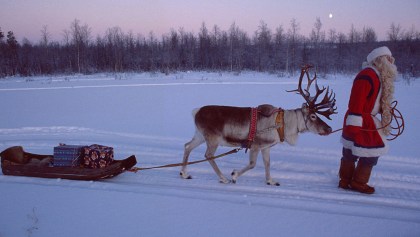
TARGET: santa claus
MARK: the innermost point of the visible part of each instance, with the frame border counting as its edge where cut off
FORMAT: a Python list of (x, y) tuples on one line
[(364, 134)]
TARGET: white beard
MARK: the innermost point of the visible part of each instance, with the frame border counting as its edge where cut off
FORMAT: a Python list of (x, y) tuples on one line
[(388, 73)]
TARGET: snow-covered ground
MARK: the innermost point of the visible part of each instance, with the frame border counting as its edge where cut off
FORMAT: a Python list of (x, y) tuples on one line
[(149, 115)]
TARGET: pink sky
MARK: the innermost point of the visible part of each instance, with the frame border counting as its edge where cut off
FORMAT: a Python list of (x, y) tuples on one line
[(26, 18)]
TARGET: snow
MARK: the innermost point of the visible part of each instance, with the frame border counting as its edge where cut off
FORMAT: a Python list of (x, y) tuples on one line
[(149, 115)]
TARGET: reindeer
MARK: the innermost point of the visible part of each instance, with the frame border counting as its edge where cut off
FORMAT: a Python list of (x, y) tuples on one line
[(230, 126)]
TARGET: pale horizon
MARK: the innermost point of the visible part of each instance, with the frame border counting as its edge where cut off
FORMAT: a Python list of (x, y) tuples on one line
[(27, 18)]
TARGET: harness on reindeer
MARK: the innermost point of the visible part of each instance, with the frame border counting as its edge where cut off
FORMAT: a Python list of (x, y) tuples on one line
[(279, 125)]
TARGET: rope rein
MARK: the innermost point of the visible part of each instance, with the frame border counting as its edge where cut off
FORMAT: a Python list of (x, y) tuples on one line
[(135, 169), (396, 116)]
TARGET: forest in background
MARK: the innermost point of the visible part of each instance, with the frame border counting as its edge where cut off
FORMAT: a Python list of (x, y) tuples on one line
[(279, 51)]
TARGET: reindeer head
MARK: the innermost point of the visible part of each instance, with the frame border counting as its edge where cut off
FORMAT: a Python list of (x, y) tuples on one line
[(311, 109)]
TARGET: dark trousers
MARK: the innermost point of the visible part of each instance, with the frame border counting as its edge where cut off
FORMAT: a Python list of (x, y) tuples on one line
[(348, 156)]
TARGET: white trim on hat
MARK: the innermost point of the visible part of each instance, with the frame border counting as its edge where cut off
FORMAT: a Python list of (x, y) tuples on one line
[(381, 51)]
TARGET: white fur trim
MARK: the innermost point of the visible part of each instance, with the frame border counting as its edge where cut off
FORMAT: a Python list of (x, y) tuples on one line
[(381, 51), (364, 152), (354, 120)]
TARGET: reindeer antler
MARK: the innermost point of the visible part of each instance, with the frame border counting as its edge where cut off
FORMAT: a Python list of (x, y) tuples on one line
[(305, 93), (328, 102)]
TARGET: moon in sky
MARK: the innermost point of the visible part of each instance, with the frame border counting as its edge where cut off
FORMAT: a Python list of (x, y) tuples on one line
[(330, 15)]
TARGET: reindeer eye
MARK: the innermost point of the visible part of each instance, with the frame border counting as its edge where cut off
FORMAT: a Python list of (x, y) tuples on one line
[(313, 117)]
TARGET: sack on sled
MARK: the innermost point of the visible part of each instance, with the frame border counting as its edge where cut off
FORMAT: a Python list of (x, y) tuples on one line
[(17, 156)]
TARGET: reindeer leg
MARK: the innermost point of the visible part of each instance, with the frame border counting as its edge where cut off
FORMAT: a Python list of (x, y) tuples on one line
[(211, 149), (195, 142), (266, 158), (253, 155)]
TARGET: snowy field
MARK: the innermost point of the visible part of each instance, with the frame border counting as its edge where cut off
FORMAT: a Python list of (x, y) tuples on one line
[(149, 115)]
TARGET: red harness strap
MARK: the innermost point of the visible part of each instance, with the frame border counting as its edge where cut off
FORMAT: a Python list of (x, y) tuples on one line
[(280, 123), (252, 127)]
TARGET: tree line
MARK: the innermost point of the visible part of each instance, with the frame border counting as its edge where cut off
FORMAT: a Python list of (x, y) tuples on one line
[(278, 51)]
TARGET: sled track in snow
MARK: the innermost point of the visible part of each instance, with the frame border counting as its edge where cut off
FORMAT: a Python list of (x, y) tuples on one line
[(308, 176)]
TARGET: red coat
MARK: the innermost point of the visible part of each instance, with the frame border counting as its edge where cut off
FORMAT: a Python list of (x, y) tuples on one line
[(359, 128)]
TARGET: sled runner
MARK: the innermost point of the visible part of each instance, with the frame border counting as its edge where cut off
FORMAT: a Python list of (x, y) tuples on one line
[(16, 162)]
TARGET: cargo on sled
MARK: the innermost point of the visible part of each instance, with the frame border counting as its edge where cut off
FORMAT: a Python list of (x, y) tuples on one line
[(15, 161)]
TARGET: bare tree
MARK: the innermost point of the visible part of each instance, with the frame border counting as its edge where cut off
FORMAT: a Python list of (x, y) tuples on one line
[(394, 33), (237, 40), (115, 47), (317, 35), (216, 52), (174, 50), (80, 39), (153, 51), (292, 43), (279, 47), (369, 35), (262, 41), (12, 54), (317, 40), (204, 46), (2, 55), (45, 62), (45, 36), (67, 48), (410, 35), (1, 36), (354, 35)]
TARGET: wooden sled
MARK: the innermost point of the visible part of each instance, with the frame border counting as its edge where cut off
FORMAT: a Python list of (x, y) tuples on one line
[(15, 161)]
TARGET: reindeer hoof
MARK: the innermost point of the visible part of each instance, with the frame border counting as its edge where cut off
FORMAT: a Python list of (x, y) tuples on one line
[(185, 175), (224, 181), (273, 183), (234, 176)]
